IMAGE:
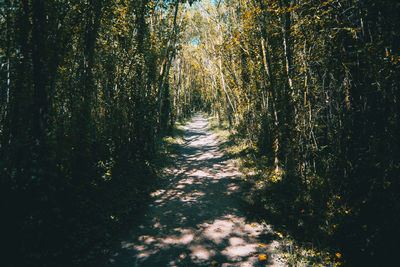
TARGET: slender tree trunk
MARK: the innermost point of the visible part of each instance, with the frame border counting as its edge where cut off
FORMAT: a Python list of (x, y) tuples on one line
[(40, 73), (168, 57), (5, 105), (270, 74), (287, 55)]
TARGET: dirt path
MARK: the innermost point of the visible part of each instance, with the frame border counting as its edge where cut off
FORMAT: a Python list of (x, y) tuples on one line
[(197, 220)]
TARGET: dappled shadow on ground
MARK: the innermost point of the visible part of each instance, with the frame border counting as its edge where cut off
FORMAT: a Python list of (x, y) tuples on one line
[(196, 220)]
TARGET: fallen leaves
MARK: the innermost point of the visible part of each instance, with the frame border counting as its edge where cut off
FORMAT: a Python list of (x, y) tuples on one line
[(263, 257)]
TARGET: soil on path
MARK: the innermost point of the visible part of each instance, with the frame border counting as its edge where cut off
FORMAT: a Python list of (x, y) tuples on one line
[(197, 219)]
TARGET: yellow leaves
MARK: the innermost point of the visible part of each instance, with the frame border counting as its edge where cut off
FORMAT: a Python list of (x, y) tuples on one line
[(63, 68), (345, 211), (324, 3), (120, 22), (263, 257), (352, 31), (338, 255)]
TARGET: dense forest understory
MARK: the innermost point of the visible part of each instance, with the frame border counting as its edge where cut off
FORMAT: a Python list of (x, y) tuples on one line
[(308, 89)]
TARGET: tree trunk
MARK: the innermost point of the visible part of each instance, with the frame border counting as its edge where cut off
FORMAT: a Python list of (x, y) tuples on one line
[(270, 74), (40, 73), (168, 57)]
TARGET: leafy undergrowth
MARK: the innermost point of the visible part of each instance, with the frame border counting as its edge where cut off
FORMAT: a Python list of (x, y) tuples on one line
[(269, 199), (86, 226)]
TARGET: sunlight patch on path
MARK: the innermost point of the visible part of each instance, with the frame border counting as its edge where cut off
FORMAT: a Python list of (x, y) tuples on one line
[(230, 233)]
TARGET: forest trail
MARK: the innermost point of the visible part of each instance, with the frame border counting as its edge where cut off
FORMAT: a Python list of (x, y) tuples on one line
[(197, 219)]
